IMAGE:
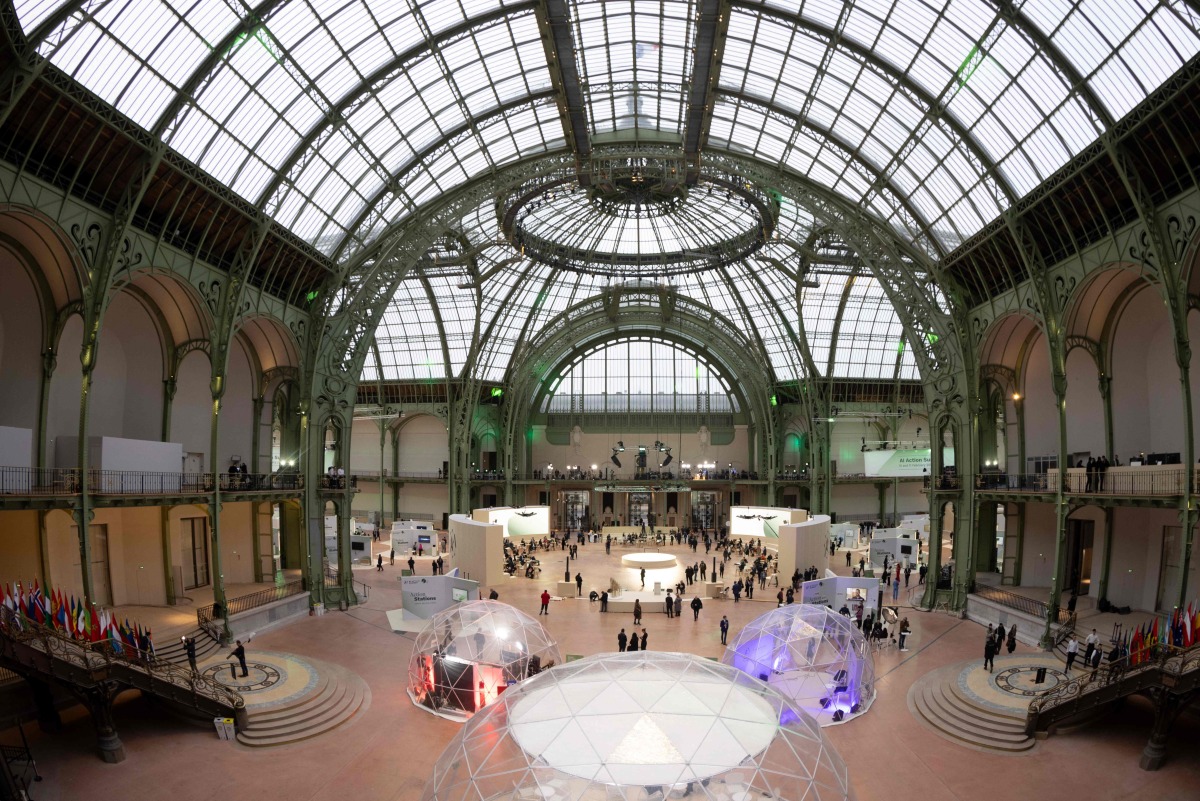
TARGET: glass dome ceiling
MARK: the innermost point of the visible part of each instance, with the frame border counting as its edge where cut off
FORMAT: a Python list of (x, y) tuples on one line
[(342, 118)]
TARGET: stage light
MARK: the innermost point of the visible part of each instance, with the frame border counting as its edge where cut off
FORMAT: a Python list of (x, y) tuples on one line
[(615, 460), (667, 461), (825, 703), (837, 716), (854, 709)]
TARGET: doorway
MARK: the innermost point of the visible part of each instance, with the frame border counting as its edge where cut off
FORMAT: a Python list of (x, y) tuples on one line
[(1170, 569), (1080, 537), (193, 533)]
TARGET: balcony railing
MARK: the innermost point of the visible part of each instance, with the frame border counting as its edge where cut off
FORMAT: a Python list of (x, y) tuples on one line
[(1131, 482), (1029, 606), (244, 603), (32, 481)]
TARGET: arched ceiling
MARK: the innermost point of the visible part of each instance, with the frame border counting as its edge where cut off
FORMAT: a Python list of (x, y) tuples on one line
[(343, 119)]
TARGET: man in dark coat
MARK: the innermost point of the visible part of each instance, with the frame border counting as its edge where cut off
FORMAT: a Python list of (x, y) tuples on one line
[(622, 639), (696, 605), (239, 652)]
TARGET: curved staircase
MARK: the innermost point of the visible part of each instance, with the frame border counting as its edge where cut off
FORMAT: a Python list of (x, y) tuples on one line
[(938, 701), (337, 698)]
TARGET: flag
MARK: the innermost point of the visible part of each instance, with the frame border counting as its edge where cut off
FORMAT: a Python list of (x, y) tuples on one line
[(95, 626)]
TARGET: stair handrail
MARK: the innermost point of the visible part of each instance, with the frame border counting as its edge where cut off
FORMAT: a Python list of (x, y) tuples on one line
[(1065, 630), (1169, 660), (104, 655)]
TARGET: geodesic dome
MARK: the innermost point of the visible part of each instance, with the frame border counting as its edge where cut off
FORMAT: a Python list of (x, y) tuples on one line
[(813, 656), (469, 654), (640, 726)]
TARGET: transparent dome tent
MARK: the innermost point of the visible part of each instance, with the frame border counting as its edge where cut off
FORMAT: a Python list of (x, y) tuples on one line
[(636, 727), (471, 653), (813, 656)]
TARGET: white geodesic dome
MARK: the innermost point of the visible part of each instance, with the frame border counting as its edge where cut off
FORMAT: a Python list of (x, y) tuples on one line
[(813, 656), (640, 726), (471, 653)]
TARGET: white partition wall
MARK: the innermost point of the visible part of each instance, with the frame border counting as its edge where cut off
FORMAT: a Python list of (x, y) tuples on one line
[(477, 549), (526, 521), (761, 522), (802, 545)]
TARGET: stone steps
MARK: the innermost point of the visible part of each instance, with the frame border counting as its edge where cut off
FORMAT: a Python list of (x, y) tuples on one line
[(938, 701), (336, 699), (173, 651)]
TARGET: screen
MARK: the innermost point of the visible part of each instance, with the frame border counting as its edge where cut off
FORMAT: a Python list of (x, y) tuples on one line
[(423, 538), (906, 550), (358, 546)]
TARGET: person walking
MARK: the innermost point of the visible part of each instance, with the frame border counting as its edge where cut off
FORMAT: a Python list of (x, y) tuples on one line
[(1012, 638), (645, 639), (921, 571), (670, 604), (703, 570), (999, 637), (392, 557), (189, 648), (622, 639), (239, 653), (724, 629), (1092, 640), (905, 628), (1097, 656), (637, 611), (545, 610), (379, 563), (412, 566), (696, 605), (989, 652), (1072, 652), (578, 585)]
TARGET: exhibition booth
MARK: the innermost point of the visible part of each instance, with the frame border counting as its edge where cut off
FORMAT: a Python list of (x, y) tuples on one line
[(803, 544), (861, 596), (360, 544), (407, 535), (813, 656), (477, 549), (646, 725), (899, 545), (524, 521), (422, 597), (473, 652)]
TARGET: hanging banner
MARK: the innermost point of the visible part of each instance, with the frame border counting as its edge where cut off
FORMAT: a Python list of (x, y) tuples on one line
[(902, 463)]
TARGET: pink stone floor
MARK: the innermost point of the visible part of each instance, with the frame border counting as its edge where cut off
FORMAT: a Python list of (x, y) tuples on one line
[(388, 751)]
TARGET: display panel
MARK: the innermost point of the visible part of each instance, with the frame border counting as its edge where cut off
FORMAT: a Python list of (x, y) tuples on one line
[(759, 521), (527, 521)]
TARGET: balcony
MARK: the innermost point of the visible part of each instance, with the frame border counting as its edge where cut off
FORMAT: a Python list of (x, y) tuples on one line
[(1147, 482), (44, 486)]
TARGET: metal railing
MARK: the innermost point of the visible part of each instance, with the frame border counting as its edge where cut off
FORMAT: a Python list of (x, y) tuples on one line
[(244, 603), (141, 669), (1166, 666), (34, 481), (1029, 606), (1148, 483), (942, 482)]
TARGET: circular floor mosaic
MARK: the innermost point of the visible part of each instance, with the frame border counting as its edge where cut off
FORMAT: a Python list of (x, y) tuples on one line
[(258, 676), (272, 677), (1021, 680)]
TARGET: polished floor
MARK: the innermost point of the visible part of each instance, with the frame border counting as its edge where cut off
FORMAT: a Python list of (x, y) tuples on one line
[(386, 754)]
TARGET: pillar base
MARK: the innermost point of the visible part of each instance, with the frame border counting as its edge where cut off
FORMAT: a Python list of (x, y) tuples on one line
[(111, 749)]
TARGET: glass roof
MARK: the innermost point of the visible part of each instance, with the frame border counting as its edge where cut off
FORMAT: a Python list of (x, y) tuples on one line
[(932, 115), (341, 118)]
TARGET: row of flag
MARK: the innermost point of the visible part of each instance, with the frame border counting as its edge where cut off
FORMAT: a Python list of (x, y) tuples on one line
[(1180, 629), (73, 617)]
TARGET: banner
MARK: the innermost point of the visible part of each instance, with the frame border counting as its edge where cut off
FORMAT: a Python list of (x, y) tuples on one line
[(903, 463), (425, 596)]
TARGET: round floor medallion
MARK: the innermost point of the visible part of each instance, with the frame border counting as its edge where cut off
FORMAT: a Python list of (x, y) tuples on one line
[(259, 676), (1020, 680)]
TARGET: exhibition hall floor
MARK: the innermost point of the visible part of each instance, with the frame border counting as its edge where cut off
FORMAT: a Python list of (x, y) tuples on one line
[(386, 753)]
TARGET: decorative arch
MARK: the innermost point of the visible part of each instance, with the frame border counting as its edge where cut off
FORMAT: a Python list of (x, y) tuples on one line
[(181, 311), (1006, 344), (270, 342), (46, 251), (1095, 308)]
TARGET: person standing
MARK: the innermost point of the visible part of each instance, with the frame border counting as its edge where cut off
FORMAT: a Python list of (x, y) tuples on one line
[(1091, 642), (724, 629), (239, 653), (392, 557), (687, 574), (1012, 638), (637, 611), (847, 558), (989, 652), (441, 563), (905, 628), (1072, 652), (643, 578), (545, 610), (493, 595), (921, 571), (645, 639), (696, 605), (578, 585), (412, 566), (189, 648), (999, 637), (703, 570), (633, 642), (622, 639), (678, 604), (895, 589), (670, 604)]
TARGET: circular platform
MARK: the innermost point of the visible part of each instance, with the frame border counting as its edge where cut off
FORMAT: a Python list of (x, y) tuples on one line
[(272, 677), (650, 561)]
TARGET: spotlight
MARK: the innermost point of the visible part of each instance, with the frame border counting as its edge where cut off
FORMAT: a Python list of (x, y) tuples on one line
[(837, 716), (667, 461), (615, 460)]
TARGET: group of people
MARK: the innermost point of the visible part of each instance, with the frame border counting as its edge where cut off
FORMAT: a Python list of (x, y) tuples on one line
[(627, 643), (995, 643), (1096, 468)]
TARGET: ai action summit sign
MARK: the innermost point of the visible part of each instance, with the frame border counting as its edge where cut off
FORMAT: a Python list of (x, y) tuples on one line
[(903, 462)]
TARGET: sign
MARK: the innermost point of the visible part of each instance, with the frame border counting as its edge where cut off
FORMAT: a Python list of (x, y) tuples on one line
[(425, 596), (903, 463)]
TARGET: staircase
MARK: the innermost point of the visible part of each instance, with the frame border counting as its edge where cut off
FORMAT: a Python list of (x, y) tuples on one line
[(939, 702), (172, 651), (337, 698)]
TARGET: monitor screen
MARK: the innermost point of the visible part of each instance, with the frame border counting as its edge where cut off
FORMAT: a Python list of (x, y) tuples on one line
[(906, 550), (423, 538)]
